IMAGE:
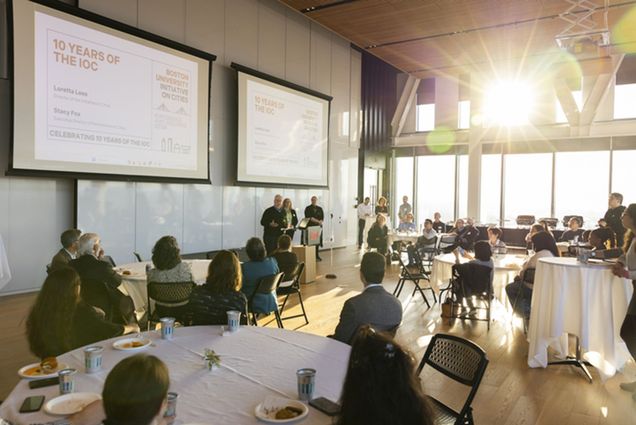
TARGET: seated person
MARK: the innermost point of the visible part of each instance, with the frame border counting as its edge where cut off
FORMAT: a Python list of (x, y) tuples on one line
[(438, 225), (210, 302), (378, 235), (374, 306), (258, 267), (60, 321), (100, 281), (482, 257), (407, 225), (494, 239), (534, 229), (574, 233), (135, 393), (381, 386), (70, 244), (467, 234), (287, 260), (167, 263), (520, 291), (602, 238), (458, 228), (429, 235)]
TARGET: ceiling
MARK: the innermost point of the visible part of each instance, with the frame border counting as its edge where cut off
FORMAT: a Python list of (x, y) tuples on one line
[(433, 37)]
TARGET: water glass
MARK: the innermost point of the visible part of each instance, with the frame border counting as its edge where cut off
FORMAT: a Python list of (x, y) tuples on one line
[(306, 383), (171, 408), (167, 327), (233, 320), (67, 380), (93, 358)]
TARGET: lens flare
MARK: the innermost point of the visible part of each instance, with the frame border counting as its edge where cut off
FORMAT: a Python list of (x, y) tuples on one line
[(624, 32), (440, 140)]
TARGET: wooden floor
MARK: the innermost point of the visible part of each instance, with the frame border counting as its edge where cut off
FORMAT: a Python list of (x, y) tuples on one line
[(510, 393)]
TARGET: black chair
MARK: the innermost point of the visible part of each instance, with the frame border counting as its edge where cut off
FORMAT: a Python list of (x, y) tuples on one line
[(461, 360), (138, 257), (97, 294), (445, 242), (471, 280), (266, 285), (170, 299), (415, 277), (109, 260), (550, 221), (427, 252), (525, 220), (293, 288)]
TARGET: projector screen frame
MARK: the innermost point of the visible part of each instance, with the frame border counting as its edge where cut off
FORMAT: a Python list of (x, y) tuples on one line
[(258, 74), (118, 26)]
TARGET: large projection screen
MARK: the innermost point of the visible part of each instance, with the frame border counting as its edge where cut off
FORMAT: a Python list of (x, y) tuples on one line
[(283, 132), (96, 98)]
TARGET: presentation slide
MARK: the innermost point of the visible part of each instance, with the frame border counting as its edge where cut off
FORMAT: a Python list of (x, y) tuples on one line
[(283, 134), (105, 101)]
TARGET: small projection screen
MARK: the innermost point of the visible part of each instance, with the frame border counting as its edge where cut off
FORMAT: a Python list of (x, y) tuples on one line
[(93, 97), (283, 132)]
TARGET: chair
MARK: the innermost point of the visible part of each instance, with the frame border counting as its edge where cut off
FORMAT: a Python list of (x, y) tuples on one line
[(138, 257), (525, 220), (550, 221), (292, 288), (109, 260), (266, 285), (415, 277), (471, 280), (445, 242), (97, 294), (170, 298), (427, 252), (461, 360)]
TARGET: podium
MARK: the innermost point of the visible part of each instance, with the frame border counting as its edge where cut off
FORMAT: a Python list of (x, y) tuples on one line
[(306, 254)]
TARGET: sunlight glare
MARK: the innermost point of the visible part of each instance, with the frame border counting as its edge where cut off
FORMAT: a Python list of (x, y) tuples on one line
[(508, 103)]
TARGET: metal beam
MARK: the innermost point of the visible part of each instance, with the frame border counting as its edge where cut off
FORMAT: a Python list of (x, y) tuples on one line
[(404, 105)]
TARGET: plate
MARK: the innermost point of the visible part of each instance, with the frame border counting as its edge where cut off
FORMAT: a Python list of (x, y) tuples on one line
[(131, 344), (266, 411), (68, 404), (31, 371)]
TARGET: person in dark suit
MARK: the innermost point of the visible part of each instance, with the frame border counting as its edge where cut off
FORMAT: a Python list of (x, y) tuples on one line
[(438, 225), (100, 281), (316, 216), (374, 306), (70, 244), (291, 219), (286, 259), (613, 216), (273, 222)]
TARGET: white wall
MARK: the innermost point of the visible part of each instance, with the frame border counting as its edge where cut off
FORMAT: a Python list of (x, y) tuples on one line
[(260, 34)]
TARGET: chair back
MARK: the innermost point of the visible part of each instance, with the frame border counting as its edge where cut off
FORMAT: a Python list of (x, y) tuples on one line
[(294, 275), (170, 294), (267, 284), (109, 260), (472, 279), (445, 241), (525, 220), (138, 257), (459, 359), (404, 270)]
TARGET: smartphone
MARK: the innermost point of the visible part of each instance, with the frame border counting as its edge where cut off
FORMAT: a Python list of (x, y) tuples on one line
[(32, 404), (41, 383), (325, 405)]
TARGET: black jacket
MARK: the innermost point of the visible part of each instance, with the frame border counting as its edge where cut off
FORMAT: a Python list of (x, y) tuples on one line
[(277, 216)]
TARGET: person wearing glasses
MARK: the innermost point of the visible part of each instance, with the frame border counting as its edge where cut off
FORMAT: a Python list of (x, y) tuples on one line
[(70, 245)]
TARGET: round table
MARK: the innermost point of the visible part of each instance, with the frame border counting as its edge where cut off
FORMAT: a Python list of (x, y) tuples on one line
[(586, 300), (255, 363), (506, 268), (135, 283)]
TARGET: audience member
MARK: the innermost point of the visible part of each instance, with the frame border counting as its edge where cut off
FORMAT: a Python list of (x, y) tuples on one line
[(625, 267), (378, 235), (574, 232), (405, 209), (613, 216), (382, 207), (100, 281), (60, 321), (258, 267), (287, 260), (210, 302), (520, 291), (429, 235), (70, 244), (167, 261), (467, 234), (534, 229), (291, 219), (458, 228), (407, 224), (494, 239), (602, 238), (438, 225), (381, 387), (471, 284), (365, 210), (374, 306)]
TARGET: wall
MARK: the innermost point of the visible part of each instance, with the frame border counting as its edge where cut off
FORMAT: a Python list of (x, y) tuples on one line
[(260, 34)]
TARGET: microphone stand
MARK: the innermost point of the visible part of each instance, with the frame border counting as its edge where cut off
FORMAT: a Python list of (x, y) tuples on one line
[(331, 275)]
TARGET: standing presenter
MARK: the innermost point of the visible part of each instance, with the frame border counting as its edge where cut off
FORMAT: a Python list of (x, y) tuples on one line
[(274, 223)]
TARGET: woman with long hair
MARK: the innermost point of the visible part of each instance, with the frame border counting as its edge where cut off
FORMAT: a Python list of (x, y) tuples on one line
[(626, 268), (381, 387), (291, 219), (60, 321), (209, 303), (378, 236), (381, 207)]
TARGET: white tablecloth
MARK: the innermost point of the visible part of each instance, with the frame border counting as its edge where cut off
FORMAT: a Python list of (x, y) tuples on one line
[(403, 236), (135, 283), (584, 300), (5, 272), (255, 363), (506, 268)]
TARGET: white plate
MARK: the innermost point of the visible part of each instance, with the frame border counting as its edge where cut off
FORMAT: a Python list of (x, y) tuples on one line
[(68, 404), (22, 371), (266, 411), (124, 344)]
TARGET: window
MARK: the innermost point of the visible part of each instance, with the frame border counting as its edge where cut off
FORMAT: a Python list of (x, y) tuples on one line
[(624, 175), (435, 187), (581, 185), (625, 101), (463, 114), (560, 115), (528, 185), (344, 128), (403, 184), (425, 120), (370, 185), (490, 198), (462, 186)]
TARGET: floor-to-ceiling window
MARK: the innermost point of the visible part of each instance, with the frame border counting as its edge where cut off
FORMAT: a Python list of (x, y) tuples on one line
[(435, 187), (490, 200), (527, 186), (403, 184), (624, 175)]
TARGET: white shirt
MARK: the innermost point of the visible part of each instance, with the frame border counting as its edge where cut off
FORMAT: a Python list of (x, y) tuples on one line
[(365, 211), (73, 256), (371, 285)]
